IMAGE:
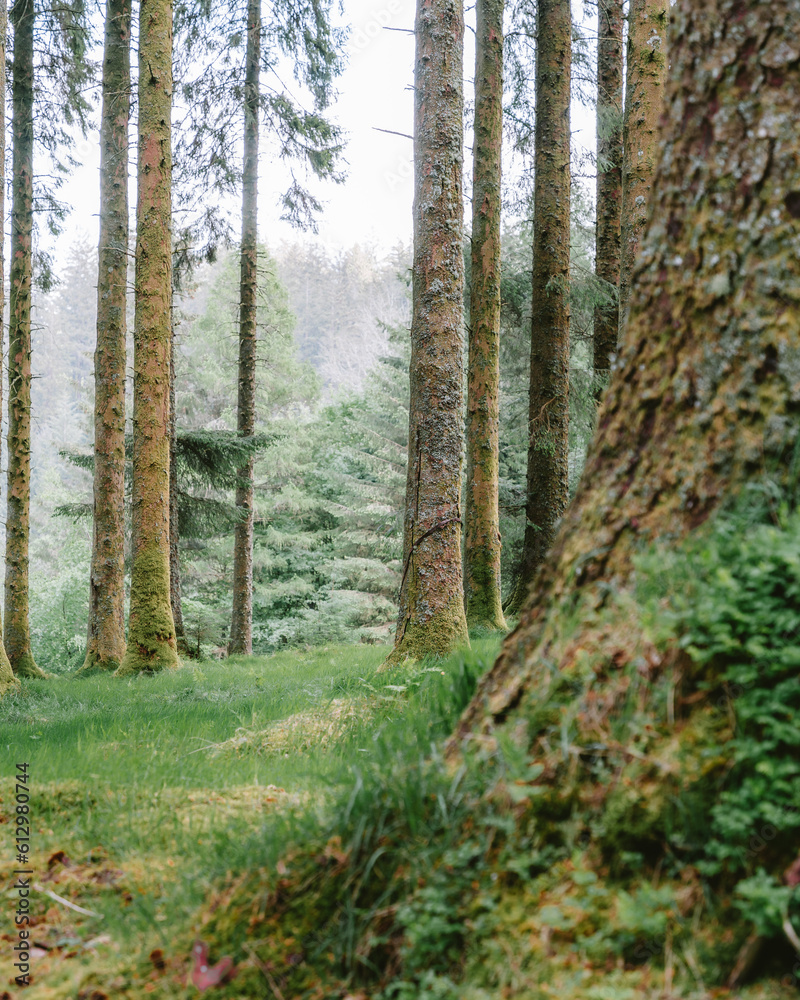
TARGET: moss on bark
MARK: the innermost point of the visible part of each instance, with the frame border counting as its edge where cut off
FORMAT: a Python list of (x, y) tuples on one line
[(704, 399), (151, 630), (241, 639), (106, 636), (548, 413), (17, 637), (482, 515), (431, 616)]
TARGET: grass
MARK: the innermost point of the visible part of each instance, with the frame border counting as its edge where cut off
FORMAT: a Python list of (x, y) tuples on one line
[(146, 792)]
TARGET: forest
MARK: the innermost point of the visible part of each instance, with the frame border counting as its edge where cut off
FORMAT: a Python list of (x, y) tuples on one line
[(413, 615)]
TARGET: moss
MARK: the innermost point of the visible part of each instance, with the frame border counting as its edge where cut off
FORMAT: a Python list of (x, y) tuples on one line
[(434, 636), (97, 664), (151, 630), (26, 666)]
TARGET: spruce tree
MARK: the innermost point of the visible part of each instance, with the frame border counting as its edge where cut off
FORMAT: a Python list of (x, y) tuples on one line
[(106, 636), (548, 411), (481, 511), (431, 617), (609, 183), (151, 629), (646, 75)]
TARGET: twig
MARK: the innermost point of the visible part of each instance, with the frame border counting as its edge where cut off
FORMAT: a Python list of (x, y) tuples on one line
[(389, 131), (791, 933), (66, 902), (272, 984)]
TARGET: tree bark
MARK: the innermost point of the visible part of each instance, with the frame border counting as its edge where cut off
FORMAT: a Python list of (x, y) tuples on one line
[(705, 396), (241, 638), (482, 514), (174, 527), (609, 184), (548, 414), (8, 680), (431, 618), (151, 630), (106, 637), (648, 28), (17, 627)]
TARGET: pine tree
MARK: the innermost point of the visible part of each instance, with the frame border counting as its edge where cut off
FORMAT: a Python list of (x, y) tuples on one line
[(702, 401), (431, 617), (609, 182), (106, 638), (482, 516), (548, 412), (648, 26), (151, 629)]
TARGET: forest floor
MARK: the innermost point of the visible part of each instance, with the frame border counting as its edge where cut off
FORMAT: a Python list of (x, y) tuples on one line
[(144, 793)]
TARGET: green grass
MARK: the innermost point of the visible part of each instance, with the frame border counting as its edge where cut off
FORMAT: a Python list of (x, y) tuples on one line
[(155, 787)]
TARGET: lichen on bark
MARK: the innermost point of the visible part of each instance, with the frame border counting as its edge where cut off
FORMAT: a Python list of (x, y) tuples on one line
[(609, 184), (106, 634), (703, 401), (481, 509), (17, 638), (431, 617), (547, 491), (151, 630), (646, 75)]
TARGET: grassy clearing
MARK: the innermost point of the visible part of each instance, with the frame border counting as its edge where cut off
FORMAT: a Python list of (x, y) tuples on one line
[(146, 792)]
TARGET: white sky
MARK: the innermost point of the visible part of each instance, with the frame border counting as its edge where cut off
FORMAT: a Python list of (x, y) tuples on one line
[(375, 202)]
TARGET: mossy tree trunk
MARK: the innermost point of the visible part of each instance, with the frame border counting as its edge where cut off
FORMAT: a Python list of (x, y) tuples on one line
[(106, 635), (7, 679), (174, 526), (704, 400), (17, 626), (646, 75), (431, 618), (241, 638), (548, 413), (151, 630), (481, 511), (609, 183)]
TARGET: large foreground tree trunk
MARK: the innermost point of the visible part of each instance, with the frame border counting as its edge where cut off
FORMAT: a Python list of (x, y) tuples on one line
[(106, 641), (17, 627), (548, 413), (151, 630), (7, 678), (609, 182), (482, 515), (241, 638), (648, 29), (705, 397), (431, 618)]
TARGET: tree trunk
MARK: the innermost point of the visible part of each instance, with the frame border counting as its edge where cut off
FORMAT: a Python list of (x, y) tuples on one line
[(151, 630), (431, 618), (609, 183), (482, 515), (17, 628), (548, 414), (705, 396), (241, 638), (648, 28), (174, 528), (7, 678), (106, 638)]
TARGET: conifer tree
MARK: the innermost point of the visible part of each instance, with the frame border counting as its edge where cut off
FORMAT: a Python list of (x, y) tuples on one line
[(482, 515), (151, 629), (646, 75), (106, 638), (609, 182), (17, 629), (547, 487), (431, 617), (241, 637), (703, 398)]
